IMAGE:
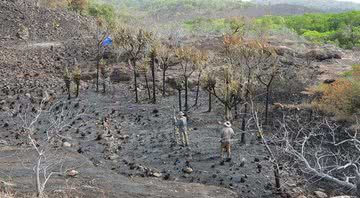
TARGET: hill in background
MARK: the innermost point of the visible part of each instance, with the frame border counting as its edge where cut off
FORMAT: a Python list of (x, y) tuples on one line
[(323, 5)]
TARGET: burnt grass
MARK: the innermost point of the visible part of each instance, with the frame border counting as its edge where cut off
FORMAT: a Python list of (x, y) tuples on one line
[(140, 142), (150, 145)]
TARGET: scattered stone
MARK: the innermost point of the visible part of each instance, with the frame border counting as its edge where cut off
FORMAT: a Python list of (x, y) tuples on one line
[(155, 174), (72, 173), (3, 142), (66, 144), (113, 157), (320, 194), (242, 163), (188, 170)]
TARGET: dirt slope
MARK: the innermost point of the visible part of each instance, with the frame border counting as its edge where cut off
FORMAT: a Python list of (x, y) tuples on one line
[(93, 182), (33, 36)]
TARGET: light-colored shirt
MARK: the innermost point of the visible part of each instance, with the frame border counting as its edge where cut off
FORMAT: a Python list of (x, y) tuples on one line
[(226, 134), (181, 123)]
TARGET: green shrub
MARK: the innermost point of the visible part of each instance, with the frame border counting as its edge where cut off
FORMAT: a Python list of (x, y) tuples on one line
[(341, 98), (104, 11)]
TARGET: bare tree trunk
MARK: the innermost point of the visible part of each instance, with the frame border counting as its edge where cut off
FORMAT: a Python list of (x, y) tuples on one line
[(104, 86), (209, 110), (197, 89), (243, 124), (77, 90), (164, 85), (267, 104), (236, 112), (135, 85), (277, 176), (135, 82), (228, 112), (38, 182), (180, 105), (68, 89), (153, 80), (186, 94), (69, 93), (147, 86)]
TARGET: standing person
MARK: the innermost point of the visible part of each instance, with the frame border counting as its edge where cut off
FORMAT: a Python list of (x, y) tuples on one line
[(181, 124), (176, 130), (106, 124), (226, 134)]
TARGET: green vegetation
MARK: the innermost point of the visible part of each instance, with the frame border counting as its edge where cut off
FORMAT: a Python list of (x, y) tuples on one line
[(93, 8), (104, 11), (342, 29)]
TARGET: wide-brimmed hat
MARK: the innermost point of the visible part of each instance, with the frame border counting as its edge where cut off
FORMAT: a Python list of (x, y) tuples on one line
[(227, 124), (181, 113)]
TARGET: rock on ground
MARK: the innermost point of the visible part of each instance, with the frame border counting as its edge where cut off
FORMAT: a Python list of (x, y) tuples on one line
[(320, 194), (95, 182)]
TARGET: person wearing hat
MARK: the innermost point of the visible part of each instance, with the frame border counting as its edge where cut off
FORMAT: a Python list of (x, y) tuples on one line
[(181, 124), (226, 134), (106, 124)]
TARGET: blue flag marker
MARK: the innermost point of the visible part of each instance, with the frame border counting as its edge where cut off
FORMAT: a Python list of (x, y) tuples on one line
[(107, 41)]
